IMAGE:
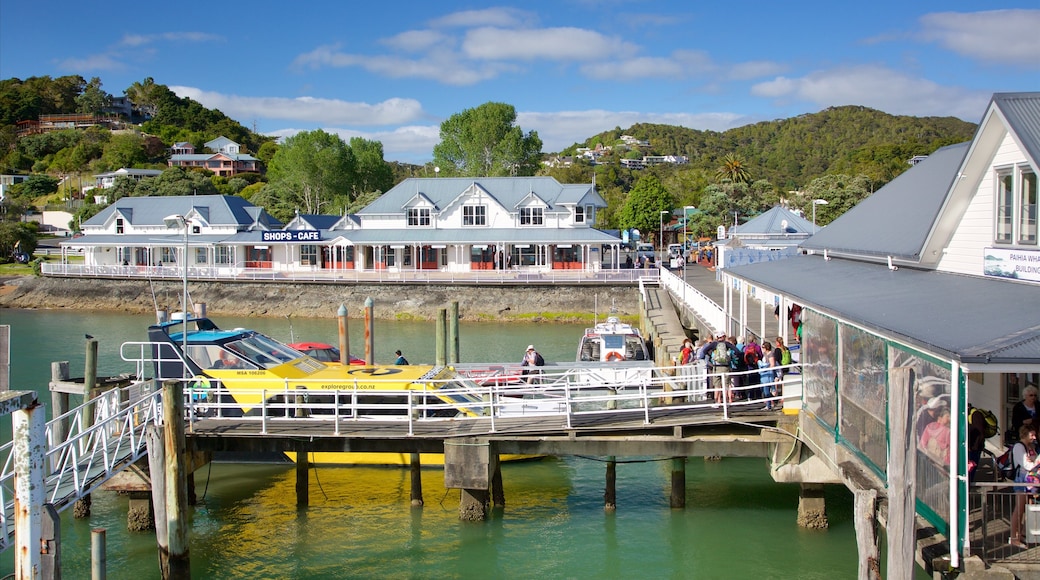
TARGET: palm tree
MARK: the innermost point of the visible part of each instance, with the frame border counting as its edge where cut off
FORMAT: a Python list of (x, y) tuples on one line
[(734, 169)]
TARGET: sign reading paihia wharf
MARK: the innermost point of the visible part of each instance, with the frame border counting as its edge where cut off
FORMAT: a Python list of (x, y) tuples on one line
[(292, 236)]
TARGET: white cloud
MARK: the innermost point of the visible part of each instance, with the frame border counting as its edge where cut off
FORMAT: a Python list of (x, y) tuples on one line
[(143, 39), (416, 40), (500, 16), (92, 63), (879, 88), (441, 65), (323, 111), (563, 44), (1001, 36)]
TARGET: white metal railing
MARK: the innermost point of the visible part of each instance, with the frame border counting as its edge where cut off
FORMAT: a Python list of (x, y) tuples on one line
[(386, 276), (689, 298), (104, 436)]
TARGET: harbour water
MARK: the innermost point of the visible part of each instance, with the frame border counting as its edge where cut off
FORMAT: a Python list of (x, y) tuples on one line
[(737, 524)]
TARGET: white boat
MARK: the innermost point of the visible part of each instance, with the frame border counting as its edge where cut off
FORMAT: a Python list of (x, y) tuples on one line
[(612, 341)]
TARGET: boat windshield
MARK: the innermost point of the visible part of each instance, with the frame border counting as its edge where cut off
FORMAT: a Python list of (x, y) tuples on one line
[(614, 341), (262, 351)]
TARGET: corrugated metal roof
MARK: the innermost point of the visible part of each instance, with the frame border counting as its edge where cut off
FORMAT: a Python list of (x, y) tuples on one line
[(1022, 111), (969, 318), (220, 210), (778, 221), (508, 191), (896, 219)]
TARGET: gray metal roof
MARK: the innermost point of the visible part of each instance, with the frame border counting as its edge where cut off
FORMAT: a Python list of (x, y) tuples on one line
[(968, 318), (508, 191), (776, 222), (896, 219), (217, 209), (1022, 111)]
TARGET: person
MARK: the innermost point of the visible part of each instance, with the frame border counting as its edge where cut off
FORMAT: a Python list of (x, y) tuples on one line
[(1024, 453), (929, 413), (686, 353), (752, 355), (719, 354), (531, 359), (766, 376), (226, 360), (935, 440), (400, 358), (976, 440), (778, 358), (1024, 411), (628, 262)]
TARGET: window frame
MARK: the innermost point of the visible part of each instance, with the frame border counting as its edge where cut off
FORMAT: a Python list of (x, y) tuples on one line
[(477, 215), (532, 216), (419, 217), (1015, 206)]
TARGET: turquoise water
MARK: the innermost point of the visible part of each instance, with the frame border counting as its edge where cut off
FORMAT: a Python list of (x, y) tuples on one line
[(737, 524)]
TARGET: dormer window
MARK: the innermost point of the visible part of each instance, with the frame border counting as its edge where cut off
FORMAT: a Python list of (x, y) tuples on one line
[(419, 217), (474, 215), (584, 214), (531, 216), (119, 225)]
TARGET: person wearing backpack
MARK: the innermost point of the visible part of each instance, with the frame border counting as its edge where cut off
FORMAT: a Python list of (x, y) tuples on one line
[(779, 351), (982, 425), (720, 353), (752, 356)]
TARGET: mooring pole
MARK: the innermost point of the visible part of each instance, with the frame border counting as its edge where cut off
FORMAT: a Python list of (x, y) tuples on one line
[(610, 493), (370, 343), (678, 499), (442, 336), (178, 563), (453, 333), (81, 507), (344, 336), (417, 499)]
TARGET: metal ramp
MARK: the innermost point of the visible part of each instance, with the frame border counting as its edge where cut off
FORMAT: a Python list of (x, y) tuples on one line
[(104, 436)]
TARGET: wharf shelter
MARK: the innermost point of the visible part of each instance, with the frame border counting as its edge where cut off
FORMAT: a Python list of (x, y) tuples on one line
[(517, 224), (937, 272)]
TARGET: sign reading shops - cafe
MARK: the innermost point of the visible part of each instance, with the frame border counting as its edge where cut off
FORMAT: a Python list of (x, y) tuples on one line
[(292, 236)]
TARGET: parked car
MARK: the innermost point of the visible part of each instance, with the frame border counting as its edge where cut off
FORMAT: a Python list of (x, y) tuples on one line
[(645, 252), (675, 250)]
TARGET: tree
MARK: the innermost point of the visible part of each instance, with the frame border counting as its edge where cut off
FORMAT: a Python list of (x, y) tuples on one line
[(734, 169), (17, 235), (36, 186), (842, 192), (93, 100), (484, 142), (315, 170), (374, 174), (644, 204)]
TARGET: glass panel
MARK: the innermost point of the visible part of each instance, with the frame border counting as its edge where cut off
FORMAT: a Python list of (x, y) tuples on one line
[(1027, 215), (864, 395), (1005, 207), (819, 366)]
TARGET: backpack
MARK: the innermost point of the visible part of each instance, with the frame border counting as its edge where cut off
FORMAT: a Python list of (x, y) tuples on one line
[(721, 355), (990, 421), (751, 359), (1006, 464), (785, 356)]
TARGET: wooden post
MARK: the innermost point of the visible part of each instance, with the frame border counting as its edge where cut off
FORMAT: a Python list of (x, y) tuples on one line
[(59, 405), (303, 463), (902, 475), (442, 336), (866, 534), (50, 543), (453, 333), (157, 473), (678, 498), (5, 357), (370, 345), (417, 498), (610, 492), (344, 336), (98, 554), (178, 561)]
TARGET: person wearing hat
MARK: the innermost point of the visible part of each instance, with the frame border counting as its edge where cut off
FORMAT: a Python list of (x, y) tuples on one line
[(400, 358), (531, 359)]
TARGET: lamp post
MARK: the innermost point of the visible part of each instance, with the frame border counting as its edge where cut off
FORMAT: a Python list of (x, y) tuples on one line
[(815, 203), (174, 222), (660, 235)]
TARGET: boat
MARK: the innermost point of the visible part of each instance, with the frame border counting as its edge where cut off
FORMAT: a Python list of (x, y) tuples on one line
[(242, 372), (612, 341)]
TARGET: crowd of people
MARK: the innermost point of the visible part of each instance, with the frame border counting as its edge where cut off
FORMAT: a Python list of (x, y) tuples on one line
[(741, 357)]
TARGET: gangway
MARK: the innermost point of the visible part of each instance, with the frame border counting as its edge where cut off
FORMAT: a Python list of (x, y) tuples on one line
[(105, 436)]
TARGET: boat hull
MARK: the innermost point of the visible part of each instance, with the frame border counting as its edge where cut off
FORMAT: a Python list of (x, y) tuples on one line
[(392, 459)]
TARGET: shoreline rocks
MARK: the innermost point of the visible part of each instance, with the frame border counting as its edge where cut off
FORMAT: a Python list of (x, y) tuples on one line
[(391, 302)]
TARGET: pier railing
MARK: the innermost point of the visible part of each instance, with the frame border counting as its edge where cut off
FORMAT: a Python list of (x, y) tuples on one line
[(991, 513)]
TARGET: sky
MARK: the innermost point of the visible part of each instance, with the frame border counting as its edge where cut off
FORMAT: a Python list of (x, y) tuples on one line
[(572, 68)]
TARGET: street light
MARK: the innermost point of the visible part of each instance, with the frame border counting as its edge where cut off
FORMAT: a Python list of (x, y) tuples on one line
[(815, 203), (177, 221), (660, 238), (686, 249)]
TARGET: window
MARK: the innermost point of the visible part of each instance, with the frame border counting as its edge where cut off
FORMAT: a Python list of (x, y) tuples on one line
[(531, 216), (168, 255), (119, 225), (590, 214), (579, 214), (474, 215), (1016, 207), (201, 256), (309, 255), (1027, 213), (406, 259), (419, 216), (222, 255)]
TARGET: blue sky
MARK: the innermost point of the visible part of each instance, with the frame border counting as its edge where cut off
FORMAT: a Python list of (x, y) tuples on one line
[(572, 68)]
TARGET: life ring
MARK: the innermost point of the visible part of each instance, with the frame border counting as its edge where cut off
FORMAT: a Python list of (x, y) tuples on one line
[(614, 356), (200, 382)]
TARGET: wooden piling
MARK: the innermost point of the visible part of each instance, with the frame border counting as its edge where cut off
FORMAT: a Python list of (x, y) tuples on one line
[(59, 405), (610, 491), (417, 496), (50, 542), (81, 508), (370, 345), (442, 336), (157, 473), (5, 357), (453, 333), (344, 335), (902, 476), (678, 497), (178, 561), (303, 464)]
